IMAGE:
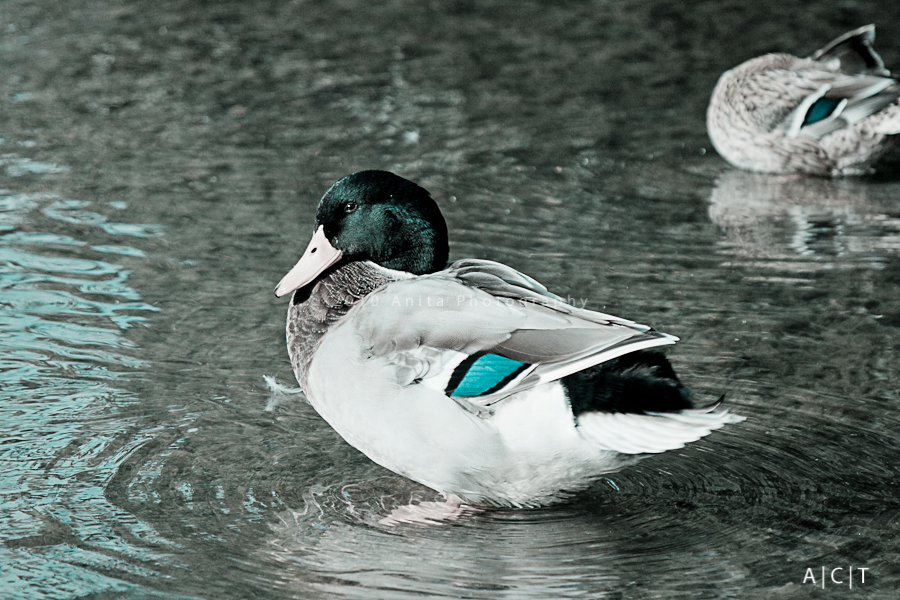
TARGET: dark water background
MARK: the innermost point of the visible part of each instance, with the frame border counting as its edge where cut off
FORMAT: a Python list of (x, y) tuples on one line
[(159, 168)]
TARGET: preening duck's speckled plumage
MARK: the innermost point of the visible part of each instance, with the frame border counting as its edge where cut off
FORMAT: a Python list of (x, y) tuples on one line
[(831, 114), (471, 379)]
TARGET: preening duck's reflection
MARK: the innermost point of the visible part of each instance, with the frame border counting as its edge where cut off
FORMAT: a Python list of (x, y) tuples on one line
[(804, 224)]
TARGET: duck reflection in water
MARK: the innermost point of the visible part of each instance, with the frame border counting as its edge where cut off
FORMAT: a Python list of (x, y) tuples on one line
[(801, 225)]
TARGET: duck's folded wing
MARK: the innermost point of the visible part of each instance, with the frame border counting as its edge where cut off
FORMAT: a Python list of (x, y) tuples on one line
[(853, 53), (481, 331), (503, 281), (841, 101)]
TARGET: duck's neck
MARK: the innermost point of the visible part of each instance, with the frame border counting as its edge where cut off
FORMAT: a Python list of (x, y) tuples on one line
[(323, 303)]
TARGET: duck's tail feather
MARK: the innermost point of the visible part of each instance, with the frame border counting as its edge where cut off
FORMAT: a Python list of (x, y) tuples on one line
[(636, 405), (651, 433)]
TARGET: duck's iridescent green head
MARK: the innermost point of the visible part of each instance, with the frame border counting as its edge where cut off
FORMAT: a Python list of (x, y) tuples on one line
[(377, 216)]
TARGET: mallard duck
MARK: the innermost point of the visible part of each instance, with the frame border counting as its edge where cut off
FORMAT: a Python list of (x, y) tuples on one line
[(472, 379), (831, 114)]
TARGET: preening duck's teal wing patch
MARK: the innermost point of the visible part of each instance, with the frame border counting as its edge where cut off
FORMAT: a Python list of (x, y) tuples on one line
[(820, 109), (482, 374)]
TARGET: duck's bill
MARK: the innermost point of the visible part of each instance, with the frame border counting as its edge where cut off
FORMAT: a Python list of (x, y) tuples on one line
[(319, 255)]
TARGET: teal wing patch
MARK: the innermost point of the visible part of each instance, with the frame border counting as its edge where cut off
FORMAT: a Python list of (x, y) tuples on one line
[(821, 108), (482, 374)]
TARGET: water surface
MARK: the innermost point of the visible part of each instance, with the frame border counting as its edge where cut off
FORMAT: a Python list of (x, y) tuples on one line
[(159, 170)]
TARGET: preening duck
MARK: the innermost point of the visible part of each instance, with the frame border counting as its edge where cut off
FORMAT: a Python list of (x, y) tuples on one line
[(834, 113), (472, 379)]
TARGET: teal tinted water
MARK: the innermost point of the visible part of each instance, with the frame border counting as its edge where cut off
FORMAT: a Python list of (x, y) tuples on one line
[(160, 168), (64, 305)]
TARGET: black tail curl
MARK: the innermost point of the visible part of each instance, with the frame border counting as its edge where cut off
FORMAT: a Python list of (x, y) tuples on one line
[(639, 382)]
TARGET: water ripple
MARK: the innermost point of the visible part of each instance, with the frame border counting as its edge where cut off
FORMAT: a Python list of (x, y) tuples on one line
[(63, 311)]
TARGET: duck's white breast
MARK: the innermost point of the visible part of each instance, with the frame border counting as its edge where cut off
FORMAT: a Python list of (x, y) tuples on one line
[(528, 450), (413, 430)]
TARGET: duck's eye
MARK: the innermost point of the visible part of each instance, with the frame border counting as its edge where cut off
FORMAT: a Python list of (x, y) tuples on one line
[(350, 207)]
